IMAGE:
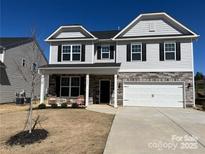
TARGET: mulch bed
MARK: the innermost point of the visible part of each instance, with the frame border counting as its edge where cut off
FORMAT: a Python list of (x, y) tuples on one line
[(24, 137)]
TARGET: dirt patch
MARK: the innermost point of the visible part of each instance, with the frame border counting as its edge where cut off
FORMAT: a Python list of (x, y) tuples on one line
[(73, 131), (24, 137)]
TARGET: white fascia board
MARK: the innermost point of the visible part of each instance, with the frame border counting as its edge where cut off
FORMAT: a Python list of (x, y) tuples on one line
[(73, 26), (77, 39), (127, 26), (157, 38), (154, 70), (67, 68), (88, 32), (152, 14), (178, 23)]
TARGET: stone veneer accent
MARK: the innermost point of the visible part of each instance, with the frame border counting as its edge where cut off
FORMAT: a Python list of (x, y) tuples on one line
[(94, 86), (186, 77)]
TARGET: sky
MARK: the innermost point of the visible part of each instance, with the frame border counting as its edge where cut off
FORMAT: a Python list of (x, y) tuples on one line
[(19, 18)]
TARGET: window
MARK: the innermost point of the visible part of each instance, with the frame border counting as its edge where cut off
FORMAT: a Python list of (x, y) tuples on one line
[(70, 86), (170, 50), (105, 51), (23, 62), (71, 52), (76, 52), (136, 54), (66, 53)]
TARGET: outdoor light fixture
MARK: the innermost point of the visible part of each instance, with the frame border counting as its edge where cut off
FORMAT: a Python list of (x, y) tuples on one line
[(189, 85)]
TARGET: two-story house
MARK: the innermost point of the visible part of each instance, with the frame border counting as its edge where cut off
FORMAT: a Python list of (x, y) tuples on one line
[(147, 63), (17, 55)]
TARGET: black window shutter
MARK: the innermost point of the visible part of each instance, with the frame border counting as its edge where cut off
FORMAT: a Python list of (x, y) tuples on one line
[(82, 85), (98, 52), (83, 53), (144, 55), (59, 53), (57, 85), (112, 50), (128, 52), (161, 51), (178, 51)]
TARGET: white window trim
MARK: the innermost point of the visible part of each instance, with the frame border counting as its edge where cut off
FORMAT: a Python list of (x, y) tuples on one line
[(69, 86), (105, 52), (71, 51), (170, 42), (136, 52)]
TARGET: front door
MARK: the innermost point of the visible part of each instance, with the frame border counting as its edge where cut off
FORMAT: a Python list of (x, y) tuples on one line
[(104, 91)]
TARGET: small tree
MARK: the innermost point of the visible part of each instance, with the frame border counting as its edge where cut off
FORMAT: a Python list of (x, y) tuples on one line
[(199, 76), (35, 80)]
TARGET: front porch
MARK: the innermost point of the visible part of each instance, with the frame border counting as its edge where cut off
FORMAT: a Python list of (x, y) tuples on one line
[(97, 85)]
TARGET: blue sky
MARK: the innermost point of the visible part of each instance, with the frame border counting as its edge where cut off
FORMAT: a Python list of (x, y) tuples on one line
[(19, 17)]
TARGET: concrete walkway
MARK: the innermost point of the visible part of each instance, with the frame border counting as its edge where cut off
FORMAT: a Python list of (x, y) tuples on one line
[(102, 108), (141, 130)]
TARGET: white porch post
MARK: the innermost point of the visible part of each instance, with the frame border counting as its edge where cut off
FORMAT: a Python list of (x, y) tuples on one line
[(87, 90), (115, 90), (42, 93)]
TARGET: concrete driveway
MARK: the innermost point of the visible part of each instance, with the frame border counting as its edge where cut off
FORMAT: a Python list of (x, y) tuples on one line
[(137, 130)]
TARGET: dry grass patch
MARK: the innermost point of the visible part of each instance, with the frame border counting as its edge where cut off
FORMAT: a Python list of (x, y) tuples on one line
[(70, 131)]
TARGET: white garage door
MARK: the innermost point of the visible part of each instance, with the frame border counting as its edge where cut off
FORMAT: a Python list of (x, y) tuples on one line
[(153, 94)]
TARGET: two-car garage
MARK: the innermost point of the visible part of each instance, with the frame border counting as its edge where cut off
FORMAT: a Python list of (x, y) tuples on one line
[(153, 94)]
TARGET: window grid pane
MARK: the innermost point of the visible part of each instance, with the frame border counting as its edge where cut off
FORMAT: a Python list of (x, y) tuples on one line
[(136, 48), (66, 49)]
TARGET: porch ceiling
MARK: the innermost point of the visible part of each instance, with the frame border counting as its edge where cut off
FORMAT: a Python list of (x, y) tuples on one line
[(97, 68)]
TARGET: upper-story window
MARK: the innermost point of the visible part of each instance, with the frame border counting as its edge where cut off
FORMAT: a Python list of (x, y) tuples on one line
[(136, 54), (170, 50), (105, 52), (71, 52)]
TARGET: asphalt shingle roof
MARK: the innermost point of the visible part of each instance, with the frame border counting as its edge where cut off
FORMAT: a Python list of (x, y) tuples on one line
[(105, 34), (10, 42), (82, 65)]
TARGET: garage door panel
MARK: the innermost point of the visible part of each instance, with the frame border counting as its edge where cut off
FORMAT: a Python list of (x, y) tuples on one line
[(167, 95)]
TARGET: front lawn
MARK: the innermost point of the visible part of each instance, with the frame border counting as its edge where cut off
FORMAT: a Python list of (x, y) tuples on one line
[(70, 131)]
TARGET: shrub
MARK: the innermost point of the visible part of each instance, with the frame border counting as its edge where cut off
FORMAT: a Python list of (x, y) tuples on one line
[(54, 105), (42, 106), (74, 105), (64, 105)]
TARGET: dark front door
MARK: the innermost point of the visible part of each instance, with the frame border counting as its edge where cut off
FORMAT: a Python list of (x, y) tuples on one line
[(104, 91)]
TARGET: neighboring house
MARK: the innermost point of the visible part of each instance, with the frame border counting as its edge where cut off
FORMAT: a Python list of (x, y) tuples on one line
[(147, 63), (16, 57)]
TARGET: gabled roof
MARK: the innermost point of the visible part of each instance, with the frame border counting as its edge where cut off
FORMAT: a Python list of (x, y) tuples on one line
[(10, 42), (105, 34), (163, 14), (91, 36)]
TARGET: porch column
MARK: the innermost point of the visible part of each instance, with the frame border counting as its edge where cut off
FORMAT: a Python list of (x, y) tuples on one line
[(87, 90), (115, 90), (42, 89)]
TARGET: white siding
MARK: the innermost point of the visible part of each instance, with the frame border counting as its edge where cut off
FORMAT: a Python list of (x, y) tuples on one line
[(104, 60), (89, 53), (70, 35), (19, 76), (153, 63), (142, 28)]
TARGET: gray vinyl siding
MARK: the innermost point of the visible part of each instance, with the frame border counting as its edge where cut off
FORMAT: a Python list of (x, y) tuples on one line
[(19, 76), (89, 53), (142, 29), (70, 35), (153, 63)]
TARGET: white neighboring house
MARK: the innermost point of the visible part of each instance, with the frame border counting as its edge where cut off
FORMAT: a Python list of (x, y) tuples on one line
[(16, 57), (147, 63)]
